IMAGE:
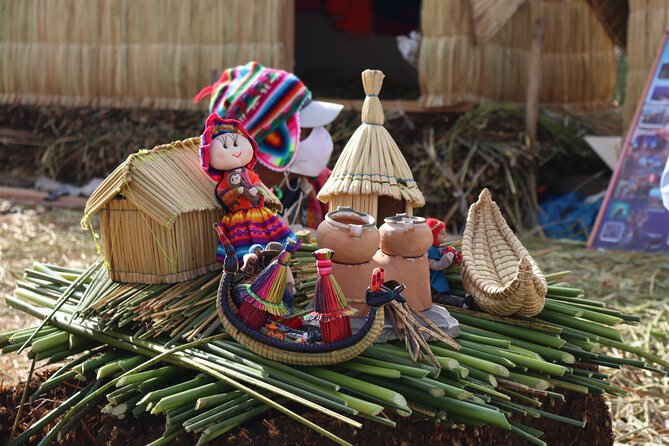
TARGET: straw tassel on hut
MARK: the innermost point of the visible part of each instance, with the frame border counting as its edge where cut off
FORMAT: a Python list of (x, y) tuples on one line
[(371, 174), (497, 270)]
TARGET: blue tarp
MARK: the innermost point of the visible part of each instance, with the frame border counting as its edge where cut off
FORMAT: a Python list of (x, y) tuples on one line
[(569, 216)]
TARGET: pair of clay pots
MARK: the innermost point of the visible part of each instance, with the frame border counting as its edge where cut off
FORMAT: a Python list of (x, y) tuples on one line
[(354, 238)]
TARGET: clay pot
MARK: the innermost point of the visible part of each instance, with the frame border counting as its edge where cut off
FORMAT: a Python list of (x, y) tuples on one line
[(352, 235), (405, 236)]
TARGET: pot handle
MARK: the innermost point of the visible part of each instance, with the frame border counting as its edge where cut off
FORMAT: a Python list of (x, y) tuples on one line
[(355, 230)]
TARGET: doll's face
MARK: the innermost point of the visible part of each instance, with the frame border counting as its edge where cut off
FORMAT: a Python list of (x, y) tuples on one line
[(441, 236), (230, 151)]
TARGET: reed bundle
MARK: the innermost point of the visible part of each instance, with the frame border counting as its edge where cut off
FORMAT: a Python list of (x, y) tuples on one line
[(156, 211), (148, 53), (371, 165), (647, 23), (578, 60), (212, 385)]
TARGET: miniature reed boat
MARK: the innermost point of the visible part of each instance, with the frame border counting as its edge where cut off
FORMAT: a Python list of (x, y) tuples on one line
[(230, 298), (497, 270)]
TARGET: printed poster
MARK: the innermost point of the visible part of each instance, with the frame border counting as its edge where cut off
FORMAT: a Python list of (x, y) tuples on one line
[(632, 216)]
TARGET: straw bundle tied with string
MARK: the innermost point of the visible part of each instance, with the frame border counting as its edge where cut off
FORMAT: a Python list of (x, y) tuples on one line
[(371, 164), (496, 268)]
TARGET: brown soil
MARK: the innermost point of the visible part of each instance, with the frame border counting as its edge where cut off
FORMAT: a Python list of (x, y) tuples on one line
[(278, 430)]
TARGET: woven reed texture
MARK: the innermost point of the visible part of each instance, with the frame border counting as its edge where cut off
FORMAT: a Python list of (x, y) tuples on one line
[(303, 359), (156, 211), (134, 53), (578, 61), (496, 268), (647, 24), (371, 164), (613, 14), (490, 15)]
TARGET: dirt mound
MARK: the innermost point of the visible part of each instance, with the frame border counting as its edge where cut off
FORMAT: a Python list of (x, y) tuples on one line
[(274, 429)]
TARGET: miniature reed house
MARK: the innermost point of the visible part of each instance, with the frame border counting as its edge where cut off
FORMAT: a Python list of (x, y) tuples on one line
[(156, 213), (371, 175)]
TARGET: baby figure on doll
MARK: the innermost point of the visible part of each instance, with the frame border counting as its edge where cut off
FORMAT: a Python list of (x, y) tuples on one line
[(440, 258)]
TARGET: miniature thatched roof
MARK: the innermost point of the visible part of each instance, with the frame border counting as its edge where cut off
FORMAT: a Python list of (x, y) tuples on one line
[(163, 183), (371, 163)]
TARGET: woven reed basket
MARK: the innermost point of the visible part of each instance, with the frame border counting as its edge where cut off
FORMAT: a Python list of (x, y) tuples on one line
[(302, 359), (496, 268)]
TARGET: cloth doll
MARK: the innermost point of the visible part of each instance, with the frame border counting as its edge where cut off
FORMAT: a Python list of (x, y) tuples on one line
[(277, 110), (228, 154), (440, 258)]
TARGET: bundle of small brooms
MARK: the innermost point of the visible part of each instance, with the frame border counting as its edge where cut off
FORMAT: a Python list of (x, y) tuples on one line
[(129, 346)]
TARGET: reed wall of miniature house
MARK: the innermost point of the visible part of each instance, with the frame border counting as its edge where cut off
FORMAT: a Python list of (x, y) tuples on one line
[(148, 53), (647, 24), (578, 62), (142, 250)]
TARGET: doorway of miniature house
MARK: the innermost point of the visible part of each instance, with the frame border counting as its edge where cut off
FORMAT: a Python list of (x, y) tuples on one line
[(335, 40)]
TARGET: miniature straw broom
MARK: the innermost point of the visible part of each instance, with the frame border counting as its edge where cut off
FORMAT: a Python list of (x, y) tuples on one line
[(265, 295), (371, 164), (330, 306)]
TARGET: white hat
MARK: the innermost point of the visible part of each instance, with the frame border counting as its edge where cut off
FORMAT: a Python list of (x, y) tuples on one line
[(318, 113)]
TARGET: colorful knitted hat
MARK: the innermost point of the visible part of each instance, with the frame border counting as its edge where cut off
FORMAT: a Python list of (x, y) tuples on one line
[(435, 226), (267, 102), (214, 127)]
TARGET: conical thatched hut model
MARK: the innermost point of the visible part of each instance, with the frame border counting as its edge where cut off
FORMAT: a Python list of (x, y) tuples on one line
[(156, 211), (371, 174)]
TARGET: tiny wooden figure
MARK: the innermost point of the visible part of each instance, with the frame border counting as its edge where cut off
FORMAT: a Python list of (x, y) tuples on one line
[(228, 154)]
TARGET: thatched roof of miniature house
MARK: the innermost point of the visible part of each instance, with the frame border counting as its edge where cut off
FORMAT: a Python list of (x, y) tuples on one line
[(371, 163), (162, 183)]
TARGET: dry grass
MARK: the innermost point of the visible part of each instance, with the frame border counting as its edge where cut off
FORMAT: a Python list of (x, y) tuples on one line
[(637, 282), (28, 235)]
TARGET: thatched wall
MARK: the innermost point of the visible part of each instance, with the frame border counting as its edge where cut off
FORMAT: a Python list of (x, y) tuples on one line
[(151, 53), (139, 249), (578, 66), (648, 21)]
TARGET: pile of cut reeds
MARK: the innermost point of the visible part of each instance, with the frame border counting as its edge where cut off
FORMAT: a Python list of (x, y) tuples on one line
[(158, 349)]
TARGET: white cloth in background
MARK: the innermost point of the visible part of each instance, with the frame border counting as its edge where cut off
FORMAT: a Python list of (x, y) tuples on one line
[(664, 186), (313, 154)]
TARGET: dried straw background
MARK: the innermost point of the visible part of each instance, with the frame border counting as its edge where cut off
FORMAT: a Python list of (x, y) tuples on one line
[(578, 70), (648, 21), (123, 53)]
